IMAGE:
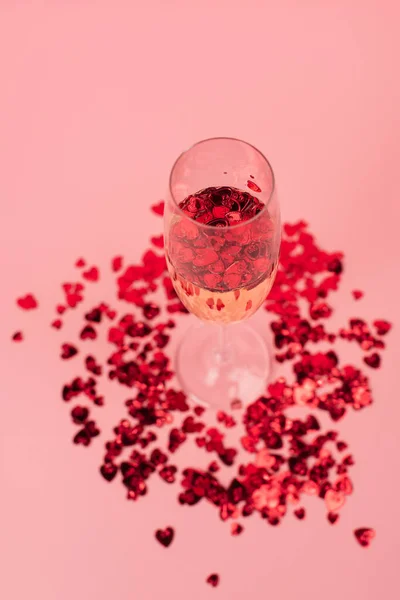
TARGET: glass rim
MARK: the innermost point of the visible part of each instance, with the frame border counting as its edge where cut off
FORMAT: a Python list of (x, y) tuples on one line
[(231, 139)]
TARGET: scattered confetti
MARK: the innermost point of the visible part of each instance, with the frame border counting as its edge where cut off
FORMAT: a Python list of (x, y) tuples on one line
[(18, 336), (284, 458)]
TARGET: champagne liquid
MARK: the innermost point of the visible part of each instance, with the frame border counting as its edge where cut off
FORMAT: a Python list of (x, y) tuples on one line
[(221, 307)]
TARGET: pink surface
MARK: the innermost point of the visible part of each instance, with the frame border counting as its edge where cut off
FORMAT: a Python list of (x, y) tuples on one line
[(97, 99)]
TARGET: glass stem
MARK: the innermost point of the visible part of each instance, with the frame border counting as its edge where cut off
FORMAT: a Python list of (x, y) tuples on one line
[(222, 349)]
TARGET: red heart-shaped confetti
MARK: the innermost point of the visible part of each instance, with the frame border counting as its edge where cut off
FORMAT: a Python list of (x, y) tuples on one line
[(364, 536), (88, 333), (79, 414), (300, 513), (236, 528), (27, 302), (109, 471), (357, 294), (116, 263), (82, 437), (332, 517), (18, 336), (213, 579), (270, 480), (91, 274), (168, 473), (94, 315), (334, 500), (158, 241), (165, 536), (151, 310), (382, 327), (373, 361), (57, 324), (158, 209), (68, 351)]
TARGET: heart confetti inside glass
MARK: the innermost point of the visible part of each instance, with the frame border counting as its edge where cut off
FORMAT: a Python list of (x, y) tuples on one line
[(222, 240)]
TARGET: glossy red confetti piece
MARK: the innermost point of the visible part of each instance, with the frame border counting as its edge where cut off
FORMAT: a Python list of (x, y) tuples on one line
[(109, 471), (88, 333), (213, 579), (80, 263), (91, 274), (332, 517), (94, 316), (57, 324), (334, 500), (116, 263), (73, 296), (165, 536), (364, 536), (92, 366), (168, 473), (357, 294), (85, 435), (236, 528), (158, 209), (150, 310), (158, 241), (176, 438), (300, 513), (68, 351), (382, 327), (27, 302), (253, 186), (18, 336), (79, 414), (373, 360)]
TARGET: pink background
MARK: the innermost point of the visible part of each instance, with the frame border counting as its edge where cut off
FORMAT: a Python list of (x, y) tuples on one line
[(97, 98)]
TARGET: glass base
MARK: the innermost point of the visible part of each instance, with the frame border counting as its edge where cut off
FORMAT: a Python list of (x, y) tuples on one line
[(214, 377)]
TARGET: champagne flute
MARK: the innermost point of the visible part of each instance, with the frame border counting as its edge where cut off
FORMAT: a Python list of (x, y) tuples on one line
[(222, 238)]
